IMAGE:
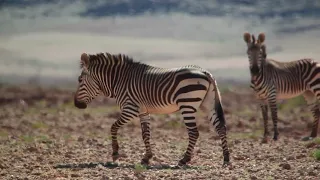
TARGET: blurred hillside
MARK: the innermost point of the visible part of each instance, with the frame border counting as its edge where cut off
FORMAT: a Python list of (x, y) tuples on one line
[(42, 41)]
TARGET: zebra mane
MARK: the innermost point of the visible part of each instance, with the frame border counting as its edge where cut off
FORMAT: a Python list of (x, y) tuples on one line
[(108, 57)]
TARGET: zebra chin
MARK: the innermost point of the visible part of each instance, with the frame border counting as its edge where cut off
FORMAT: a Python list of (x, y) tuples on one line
[(80, 105)]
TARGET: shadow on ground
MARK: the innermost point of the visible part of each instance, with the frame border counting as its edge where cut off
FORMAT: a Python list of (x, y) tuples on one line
[(111, 165)]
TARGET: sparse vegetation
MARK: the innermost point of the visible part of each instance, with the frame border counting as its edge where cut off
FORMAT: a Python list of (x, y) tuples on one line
[(139, 168), (316, 154), (249, 135), (292, 103), (313, 143), (48, 130), (3, 133), (317, 140), (173, 124), (67, 137), (39, 125), (27, 138), (44, 139)]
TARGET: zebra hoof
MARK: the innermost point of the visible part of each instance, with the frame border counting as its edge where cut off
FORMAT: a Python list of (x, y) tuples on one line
[(275, 138), (264, 140), (181, 163), (184, 161), (115, 156), (308, 138), (145, 162), (182, 166), (226, 164)]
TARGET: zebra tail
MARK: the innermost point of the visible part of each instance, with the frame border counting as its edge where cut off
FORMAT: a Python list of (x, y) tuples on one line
[(217, 104), (217, 117)]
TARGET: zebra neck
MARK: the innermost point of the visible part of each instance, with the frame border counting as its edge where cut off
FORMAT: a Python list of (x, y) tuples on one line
[(257, 78), (120, 77)]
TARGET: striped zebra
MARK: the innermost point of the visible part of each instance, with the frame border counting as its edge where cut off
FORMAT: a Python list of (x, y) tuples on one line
[(140, 90), (273, 80)]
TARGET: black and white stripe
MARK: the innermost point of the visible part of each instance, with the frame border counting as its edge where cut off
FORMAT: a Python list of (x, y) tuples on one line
[(141, 90), (273, 80)]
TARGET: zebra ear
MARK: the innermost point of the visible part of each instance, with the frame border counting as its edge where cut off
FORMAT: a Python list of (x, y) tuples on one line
[(247, 37), (261, 38), (84, 60)]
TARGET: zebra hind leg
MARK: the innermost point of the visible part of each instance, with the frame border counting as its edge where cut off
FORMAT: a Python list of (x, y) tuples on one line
[(145, 128), (217, 119), (313, 104), (189, 117), (213, 106)]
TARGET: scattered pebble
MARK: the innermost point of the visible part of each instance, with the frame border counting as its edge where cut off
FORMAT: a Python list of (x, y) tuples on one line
[(311, 145), (75, 175), (80, 139), (312, 173), (285, 166), (291, 158), (299, 156), (253, 177)]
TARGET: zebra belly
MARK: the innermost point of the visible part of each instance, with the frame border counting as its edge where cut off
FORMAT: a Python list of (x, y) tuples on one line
[(288, 95), (280, 96), (162, 110)]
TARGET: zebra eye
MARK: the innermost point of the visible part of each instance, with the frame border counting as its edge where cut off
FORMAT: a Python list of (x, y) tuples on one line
[(79, 78)]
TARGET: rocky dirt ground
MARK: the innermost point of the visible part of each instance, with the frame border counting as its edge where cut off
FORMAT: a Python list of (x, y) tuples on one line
[(41, 130)]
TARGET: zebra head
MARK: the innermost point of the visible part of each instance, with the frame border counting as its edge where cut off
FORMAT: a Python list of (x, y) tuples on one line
[(88, 87), (256, 51)]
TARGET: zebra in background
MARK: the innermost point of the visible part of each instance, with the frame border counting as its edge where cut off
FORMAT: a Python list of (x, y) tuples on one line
[(273, 80), (141, 90)]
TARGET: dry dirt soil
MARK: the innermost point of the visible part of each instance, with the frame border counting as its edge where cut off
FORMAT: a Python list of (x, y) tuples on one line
[(43, 136)]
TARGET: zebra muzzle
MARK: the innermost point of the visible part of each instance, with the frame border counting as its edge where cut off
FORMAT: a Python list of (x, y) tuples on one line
[(80, 105), (254, 70)]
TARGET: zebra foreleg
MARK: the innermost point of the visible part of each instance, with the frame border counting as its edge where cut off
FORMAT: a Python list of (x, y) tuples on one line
[(274, 115), (145, 128), (193, 133), (127, 114), (264, 110)]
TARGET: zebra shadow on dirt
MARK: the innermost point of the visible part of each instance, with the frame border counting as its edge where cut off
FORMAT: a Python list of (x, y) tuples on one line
[(111, 165)]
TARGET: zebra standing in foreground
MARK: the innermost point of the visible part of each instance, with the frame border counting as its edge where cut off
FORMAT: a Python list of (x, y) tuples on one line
[(140, 90), (272, 80)]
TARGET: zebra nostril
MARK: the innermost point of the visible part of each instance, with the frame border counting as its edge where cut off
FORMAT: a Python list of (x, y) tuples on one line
[(80, 105)]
